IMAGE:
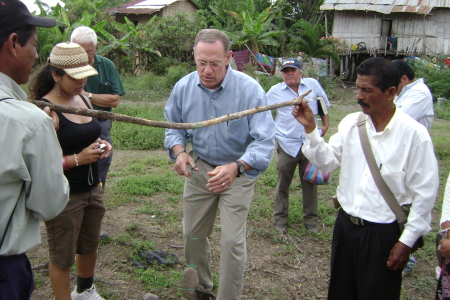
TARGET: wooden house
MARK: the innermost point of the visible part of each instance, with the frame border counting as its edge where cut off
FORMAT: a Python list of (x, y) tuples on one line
[(141, 11), (394, 28)]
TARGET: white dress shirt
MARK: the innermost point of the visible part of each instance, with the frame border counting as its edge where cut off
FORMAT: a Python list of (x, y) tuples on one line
[(445, 215), (404, 153), (290, 134), (416, 101)]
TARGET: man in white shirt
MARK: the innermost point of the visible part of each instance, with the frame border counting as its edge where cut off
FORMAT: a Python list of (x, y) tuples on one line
[(368, 251), (290, 137), (413, 95), (415, 99)]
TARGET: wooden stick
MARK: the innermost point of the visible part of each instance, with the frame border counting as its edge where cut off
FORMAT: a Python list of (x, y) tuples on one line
[(141, 121)]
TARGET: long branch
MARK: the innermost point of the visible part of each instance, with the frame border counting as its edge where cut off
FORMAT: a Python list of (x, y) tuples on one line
[(141, 121)]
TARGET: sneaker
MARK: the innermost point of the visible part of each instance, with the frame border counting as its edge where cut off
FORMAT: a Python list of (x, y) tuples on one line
[(89, 294), (312, 228), (281, 228)]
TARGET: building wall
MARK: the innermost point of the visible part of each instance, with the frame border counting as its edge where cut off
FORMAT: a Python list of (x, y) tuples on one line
[(168, 11), (355, 27), (179, 7), (140, 19), (415, 33)]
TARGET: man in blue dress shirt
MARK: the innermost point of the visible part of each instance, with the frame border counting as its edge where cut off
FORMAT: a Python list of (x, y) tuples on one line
[(290, 137), (225, 161)]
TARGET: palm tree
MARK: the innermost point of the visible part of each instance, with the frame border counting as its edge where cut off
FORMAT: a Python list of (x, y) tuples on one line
[(310, 40), (258, 30)]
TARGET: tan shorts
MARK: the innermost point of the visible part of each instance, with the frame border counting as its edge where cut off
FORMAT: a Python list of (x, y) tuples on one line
[(76, 230)]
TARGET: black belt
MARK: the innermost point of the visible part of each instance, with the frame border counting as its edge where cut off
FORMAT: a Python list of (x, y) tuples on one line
[(356, 220), (101, 120)]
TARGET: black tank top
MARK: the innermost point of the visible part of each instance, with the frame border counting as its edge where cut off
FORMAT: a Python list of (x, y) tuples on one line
[(73, 138)]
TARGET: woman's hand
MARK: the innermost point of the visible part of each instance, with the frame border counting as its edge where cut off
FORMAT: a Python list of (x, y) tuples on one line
[(91, 154), (105, 150)]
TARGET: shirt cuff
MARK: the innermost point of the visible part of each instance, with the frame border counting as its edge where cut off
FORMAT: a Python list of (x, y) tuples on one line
[(313, 135), (408, 238)]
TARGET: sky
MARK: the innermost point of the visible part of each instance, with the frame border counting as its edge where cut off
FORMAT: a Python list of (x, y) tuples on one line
[(32, 7)]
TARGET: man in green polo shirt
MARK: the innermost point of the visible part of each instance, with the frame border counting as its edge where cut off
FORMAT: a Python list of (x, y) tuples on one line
[(103, 90)]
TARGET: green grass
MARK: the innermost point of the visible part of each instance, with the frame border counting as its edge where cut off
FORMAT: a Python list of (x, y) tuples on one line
[(147, 87), (128, 136)]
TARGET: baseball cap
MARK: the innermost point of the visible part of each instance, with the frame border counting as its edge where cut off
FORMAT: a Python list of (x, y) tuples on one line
[(14, 15), (291, 63), (72, 59)]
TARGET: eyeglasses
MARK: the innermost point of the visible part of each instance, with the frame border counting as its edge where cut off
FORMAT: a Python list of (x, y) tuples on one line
[(213, 64)]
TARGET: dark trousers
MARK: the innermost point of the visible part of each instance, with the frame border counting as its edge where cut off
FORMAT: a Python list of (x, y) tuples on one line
[(104, 163), (286, 166), (16, 277), (358, 261)]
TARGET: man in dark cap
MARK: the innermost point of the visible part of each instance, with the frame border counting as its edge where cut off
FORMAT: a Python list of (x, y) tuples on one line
[(290, 137), (32, 184)]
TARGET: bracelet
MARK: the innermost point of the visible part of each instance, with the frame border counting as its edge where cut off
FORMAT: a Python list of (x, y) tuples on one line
[(176, 155), (64, 164), (76, 159)]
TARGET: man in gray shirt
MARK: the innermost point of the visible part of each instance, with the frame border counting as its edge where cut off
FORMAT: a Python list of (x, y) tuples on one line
[(32, 184)]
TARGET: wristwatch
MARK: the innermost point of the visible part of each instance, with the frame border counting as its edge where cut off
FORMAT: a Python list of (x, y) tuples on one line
[(90, 97), (240, 168)]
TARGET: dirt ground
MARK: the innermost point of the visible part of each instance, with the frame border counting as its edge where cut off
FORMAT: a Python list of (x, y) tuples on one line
[(271, 271)]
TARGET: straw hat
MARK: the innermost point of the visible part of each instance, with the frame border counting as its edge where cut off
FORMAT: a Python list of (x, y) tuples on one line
[(72, 59)]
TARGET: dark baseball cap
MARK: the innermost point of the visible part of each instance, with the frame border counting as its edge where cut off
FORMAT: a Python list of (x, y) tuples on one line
[(291, 63), (14, 15)]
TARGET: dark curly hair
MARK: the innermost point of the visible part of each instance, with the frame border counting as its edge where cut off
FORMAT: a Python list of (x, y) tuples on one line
[(42, 82)]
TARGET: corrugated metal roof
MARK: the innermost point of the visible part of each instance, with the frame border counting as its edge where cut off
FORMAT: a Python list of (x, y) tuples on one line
[(386, 6), (141, 6), (150, 3)]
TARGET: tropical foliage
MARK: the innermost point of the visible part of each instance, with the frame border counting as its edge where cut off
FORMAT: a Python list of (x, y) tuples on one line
[(264, 26), (311, 41)]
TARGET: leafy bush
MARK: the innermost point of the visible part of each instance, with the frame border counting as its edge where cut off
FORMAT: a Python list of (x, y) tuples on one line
[(435, 76), (443, 111), (161, 65), (173, 37), (174, 74)]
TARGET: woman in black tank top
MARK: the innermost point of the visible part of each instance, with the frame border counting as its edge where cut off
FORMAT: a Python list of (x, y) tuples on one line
[(77, 229)]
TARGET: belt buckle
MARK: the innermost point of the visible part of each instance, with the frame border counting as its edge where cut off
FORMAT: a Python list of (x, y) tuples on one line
[(356, 221)]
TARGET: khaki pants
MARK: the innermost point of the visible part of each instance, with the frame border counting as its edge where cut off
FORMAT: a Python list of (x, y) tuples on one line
[(286, 166), (200, 208)]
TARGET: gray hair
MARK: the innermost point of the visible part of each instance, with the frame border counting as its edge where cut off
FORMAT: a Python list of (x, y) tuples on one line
[(84, 34), (212, 35)]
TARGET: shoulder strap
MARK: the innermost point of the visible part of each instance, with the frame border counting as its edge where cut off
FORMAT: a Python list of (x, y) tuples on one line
[(376, 174), (86, 102)]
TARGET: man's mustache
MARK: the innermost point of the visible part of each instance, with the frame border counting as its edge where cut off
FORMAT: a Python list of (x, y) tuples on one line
[(362, 103)]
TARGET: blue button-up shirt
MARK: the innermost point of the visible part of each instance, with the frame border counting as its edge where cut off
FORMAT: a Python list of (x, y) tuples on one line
[(290, 133), (250, 138)]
